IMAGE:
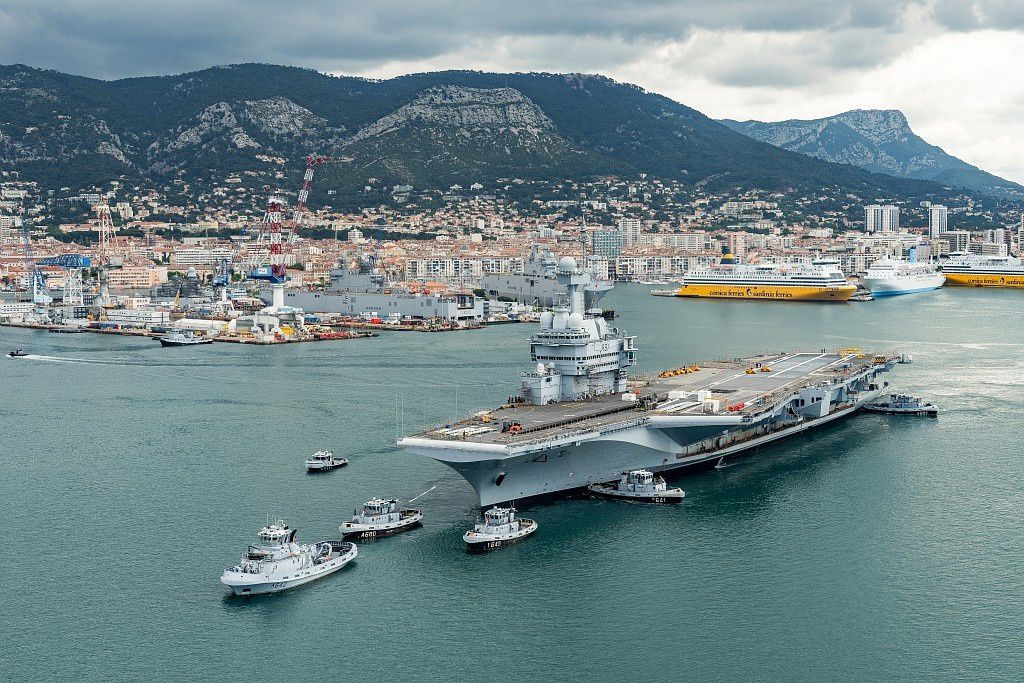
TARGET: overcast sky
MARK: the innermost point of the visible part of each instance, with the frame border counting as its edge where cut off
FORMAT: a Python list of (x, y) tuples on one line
[(954, 67)]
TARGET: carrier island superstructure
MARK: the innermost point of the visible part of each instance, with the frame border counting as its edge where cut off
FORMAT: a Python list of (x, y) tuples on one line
[(579, 419)]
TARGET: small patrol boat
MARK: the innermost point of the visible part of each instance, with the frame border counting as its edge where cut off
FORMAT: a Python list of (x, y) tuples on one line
[(902, 404), (639, 485), (276, 562), (380, 517), (18, 353), (183, 338), (499, 527), (323, 461)]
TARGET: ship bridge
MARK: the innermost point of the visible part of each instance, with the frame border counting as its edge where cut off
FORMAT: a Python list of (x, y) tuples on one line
[(578, 354)]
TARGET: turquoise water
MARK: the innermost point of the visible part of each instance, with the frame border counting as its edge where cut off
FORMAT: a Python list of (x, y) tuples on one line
[(879, 548)]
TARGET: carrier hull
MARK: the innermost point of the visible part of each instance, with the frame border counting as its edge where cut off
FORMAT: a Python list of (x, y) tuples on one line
[(657, 442)]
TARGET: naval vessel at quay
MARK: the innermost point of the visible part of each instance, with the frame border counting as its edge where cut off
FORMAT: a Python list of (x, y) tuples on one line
[(580, 420)]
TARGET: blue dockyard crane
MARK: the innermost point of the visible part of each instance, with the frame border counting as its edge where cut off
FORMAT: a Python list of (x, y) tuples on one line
[(37, 281)]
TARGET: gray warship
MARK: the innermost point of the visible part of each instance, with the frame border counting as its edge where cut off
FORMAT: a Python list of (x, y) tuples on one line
[(579, 419), (538, 284), (360, 288)]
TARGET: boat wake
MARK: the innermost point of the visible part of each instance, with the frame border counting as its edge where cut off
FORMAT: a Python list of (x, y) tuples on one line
[(64, 359)]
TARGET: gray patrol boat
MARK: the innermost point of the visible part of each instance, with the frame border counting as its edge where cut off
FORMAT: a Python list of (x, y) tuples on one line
[(579, 420)]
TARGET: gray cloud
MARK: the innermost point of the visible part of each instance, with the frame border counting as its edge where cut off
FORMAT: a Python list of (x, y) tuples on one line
[(792, 58), (107, 38)]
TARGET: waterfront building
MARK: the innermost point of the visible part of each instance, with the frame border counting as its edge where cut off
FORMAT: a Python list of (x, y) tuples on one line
[(200, 256), (129, 317), (630, 230), (460, 271), (15, 310), (937, 217), (989, 248), (607, 243), (959, 240), (684, 241), (136, 277), (737, 242), (881, 218), (997, 235)]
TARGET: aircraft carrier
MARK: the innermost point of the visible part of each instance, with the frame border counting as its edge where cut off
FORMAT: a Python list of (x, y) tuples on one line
[(579, 419)]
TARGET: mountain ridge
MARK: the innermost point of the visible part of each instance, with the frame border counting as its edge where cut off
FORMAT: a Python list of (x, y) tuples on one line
[(426, 129), (877, 140)]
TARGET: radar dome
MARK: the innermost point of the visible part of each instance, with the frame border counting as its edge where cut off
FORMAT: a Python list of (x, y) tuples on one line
[(546, 319), (575, 321), (567, 264)]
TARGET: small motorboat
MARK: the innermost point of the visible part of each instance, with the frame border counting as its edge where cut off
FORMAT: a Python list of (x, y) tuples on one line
[(18, 353), (902, 404), (323, 461)]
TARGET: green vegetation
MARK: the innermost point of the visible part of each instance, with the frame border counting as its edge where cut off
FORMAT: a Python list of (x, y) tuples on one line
[(81, 128)]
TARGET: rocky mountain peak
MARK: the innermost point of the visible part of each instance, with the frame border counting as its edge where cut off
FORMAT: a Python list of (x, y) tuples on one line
[(459, 107), (878, 140), (879, 125)]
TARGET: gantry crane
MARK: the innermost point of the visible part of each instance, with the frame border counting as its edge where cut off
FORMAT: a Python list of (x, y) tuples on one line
[(37, 281), (312, 161)]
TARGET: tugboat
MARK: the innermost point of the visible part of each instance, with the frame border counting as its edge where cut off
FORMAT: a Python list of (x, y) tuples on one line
[(183, 338), (902, 404), (323, 461), (499, 528), (380, 517), (639, 485), (276, 562), (18, 353)]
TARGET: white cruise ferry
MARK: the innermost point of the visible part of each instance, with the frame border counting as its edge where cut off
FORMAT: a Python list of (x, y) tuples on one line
[(891, 277), (818, 281)]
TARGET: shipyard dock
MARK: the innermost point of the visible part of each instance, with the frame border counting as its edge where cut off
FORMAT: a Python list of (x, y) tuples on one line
[(325, 334)]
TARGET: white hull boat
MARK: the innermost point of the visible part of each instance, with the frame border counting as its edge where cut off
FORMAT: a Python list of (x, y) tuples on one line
[(380, 517), (323, 461), (277, 563), (499, 528), (640, 486)]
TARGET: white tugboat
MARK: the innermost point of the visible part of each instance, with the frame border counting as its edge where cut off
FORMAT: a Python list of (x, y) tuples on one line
[(380, 517), (323, 461), (639, 485), (901, 404), (500, 527), (276, 562)]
